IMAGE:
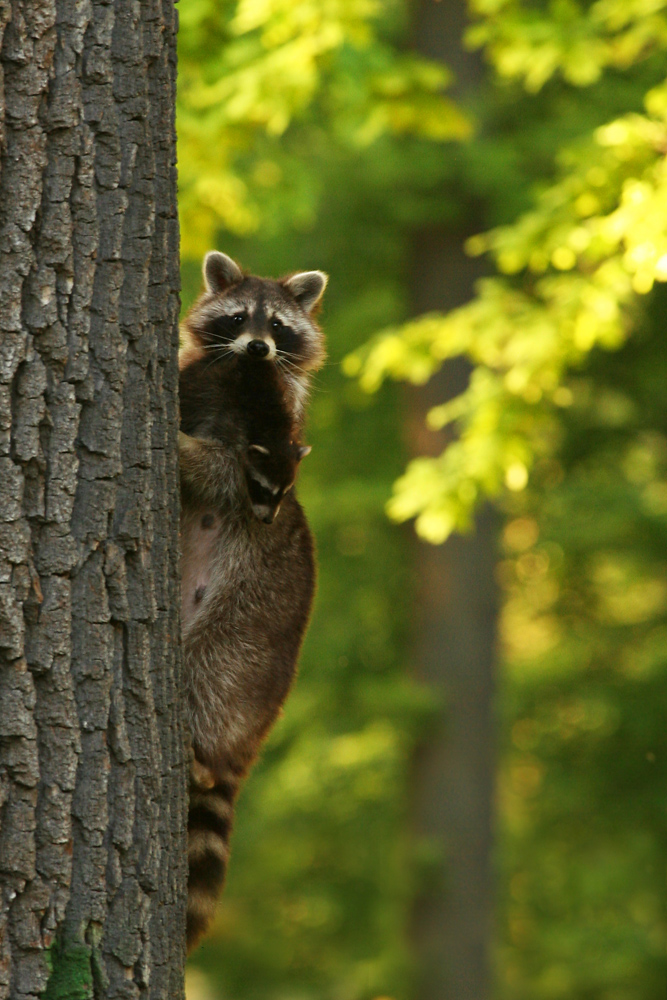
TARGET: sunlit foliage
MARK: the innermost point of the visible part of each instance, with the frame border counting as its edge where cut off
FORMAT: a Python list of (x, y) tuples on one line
[(251, 71), (533, 41), (573, 267)]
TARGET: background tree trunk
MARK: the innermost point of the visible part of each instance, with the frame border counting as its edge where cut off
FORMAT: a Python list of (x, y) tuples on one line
[(456, 631), (92, 745)]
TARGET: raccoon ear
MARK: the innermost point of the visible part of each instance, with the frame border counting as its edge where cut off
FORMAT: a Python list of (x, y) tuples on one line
[(304, 450), (307, 287), (220, 271)]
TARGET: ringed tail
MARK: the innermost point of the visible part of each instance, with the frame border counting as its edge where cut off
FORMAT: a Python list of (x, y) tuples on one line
[(210, 818)]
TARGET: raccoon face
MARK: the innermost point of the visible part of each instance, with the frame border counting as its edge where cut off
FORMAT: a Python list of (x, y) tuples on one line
[(264, 319), (270, 475)]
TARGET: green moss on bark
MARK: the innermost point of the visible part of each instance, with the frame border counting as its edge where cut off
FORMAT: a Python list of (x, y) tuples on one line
[(71, 972)]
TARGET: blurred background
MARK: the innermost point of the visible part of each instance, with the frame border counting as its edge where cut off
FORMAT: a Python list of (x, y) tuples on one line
[(466, 798)]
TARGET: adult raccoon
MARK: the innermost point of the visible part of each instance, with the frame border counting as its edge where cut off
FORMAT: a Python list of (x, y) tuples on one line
[(248, 576)]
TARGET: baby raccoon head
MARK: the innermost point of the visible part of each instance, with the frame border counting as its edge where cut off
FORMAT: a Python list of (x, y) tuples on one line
[(270, 475), (245, 315)]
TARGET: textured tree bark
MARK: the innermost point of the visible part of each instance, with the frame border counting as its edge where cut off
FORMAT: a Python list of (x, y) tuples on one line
[(92, 740), (456, 628)]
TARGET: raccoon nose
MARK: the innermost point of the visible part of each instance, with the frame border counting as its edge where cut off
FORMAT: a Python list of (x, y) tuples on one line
[(258, 348)]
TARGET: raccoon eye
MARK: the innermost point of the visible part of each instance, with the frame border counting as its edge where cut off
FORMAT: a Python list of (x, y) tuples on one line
[(238, 318), (277, 324)]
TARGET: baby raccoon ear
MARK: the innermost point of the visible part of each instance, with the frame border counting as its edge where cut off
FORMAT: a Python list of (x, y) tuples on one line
[(220, 271), (304, 450), (307, 287)]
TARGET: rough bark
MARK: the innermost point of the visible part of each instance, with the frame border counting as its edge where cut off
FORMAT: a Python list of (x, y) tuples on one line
[(92, 746), (456, 628)]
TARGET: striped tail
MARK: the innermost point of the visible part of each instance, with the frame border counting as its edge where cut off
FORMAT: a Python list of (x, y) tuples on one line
[(210, 818)]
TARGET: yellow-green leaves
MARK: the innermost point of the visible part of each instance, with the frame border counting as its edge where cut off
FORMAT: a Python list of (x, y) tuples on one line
[(493, 451), (570, 272), (330, 23), (406, 98), (254, 72), (532, 41)]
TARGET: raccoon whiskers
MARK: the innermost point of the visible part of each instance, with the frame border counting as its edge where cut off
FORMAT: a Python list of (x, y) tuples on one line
[(222, 350), (295, 369), (286, 356), (285, 363)]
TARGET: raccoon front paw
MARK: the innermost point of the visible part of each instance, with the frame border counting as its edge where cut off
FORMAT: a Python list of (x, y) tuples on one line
[(185, 442), (201, 777)]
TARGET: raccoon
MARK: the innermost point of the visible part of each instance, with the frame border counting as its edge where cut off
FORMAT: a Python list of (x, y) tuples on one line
[(270, 475), (248, 572)]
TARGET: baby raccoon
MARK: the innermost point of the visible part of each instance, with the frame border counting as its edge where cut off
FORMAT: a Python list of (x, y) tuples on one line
[(270, 475), (248, 576)]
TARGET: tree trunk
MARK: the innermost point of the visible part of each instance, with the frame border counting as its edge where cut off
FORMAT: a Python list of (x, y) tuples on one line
[(456, 627), (92, 740)]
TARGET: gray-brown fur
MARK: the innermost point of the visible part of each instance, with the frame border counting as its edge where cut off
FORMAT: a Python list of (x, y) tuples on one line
[(247, 586)]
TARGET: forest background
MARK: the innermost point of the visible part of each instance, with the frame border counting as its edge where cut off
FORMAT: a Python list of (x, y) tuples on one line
[(313, 135)]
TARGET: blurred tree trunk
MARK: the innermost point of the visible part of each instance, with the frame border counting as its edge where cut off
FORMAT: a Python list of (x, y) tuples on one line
[(92, 747), (456, 627)]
